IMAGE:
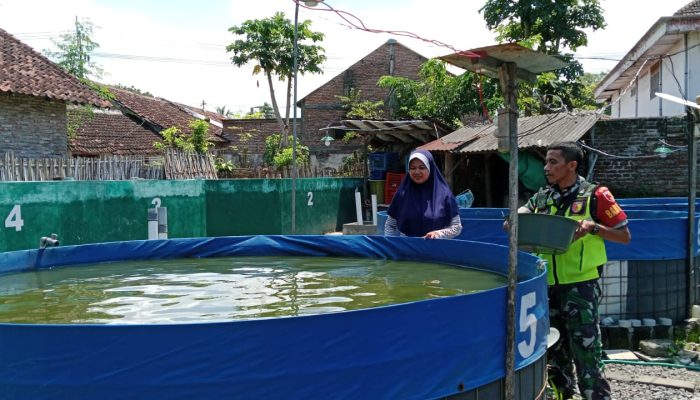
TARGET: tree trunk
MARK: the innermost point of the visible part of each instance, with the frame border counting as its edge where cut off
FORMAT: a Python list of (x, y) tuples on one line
[(289, 97), (275, 108)]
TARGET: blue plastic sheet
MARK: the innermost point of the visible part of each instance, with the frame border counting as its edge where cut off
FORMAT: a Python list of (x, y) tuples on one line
[(419, 350), (654, 201), (657, 234)]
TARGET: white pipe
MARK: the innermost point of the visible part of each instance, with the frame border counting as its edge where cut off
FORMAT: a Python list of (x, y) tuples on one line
[(374, 209), (162, 222), (152, 223), (358, 208)]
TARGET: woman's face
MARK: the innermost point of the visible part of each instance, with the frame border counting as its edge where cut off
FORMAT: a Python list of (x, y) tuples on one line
[(418, 171)]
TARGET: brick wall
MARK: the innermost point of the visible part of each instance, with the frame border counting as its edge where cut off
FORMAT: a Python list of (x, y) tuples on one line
[(321, 106), (248, 135), (32, 126), (637, 176)]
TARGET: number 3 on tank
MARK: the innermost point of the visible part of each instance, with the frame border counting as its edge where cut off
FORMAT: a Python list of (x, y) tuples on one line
[(14, 218), (527, 322)]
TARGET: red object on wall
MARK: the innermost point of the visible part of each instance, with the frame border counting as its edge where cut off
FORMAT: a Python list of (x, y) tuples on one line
[(393, 180)]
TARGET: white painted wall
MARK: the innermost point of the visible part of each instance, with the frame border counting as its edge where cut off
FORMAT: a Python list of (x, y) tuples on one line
[(673, 79)]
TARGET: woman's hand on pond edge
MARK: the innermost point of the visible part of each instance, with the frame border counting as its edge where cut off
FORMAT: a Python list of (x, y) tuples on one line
[(432, 235)]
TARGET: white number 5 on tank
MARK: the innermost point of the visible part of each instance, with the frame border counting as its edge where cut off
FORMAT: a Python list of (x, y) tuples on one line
[(14, 218), (528, 321)]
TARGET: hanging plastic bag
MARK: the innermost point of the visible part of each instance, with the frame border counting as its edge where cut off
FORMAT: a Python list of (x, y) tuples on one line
[(465, 199)]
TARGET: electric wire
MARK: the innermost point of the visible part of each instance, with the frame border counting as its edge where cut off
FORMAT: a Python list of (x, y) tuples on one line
[(604, 154), (360, 25)]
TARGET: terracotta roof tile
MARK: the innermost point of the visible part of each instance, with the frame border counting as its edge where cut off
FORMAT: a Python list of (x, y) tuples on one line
[(110, 132), (162, 113), (25, 71), (692, 8)]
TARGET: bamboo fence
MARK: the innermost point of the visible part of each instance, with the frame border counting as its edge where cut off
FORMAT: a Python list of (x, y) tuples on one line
[(173, 165), (304, 171)]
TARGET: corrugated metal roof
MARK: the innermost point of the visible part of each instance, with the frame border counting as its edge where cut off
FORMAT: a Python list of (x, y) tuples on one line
[(537, 131), (422, 131), (487, 60)]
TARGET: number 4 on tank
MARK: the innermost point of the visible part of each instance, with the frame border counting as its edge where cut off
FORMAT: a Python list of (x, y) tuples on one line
[(14, 218)]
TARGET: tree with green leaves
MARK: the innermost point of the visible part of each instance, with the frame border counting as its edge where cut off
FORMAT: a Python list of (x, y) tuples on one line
[(265, 110), (549, 27), (269, 43), (357, 108), (281, 156), (74, 50), (440, 94), (197, 142), (224, 111)]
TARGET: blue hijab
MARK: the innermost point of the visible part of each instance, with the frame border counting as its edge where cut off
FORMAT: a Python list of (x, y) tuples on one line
[(419, 209)]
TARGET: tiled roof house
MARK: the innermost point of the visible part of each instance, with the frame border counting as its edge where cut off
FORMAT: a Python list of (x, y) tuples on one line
[(321, 107), (34, 93), (110, 132), (135, 126), (158, 114)]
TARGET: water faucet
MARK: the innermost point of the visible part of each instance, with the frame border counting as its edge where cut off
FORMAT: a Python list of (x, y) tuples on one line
[(48, 241)]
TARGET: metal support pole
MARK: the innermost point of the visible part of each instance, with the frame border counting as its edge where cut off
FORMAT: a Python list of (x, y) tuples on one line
[(507, 75), (295, 67), (694, 120)]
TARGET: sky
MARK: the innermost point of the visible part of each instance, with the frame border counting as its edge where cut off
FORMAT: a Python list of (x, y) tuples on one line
[(176, 49)]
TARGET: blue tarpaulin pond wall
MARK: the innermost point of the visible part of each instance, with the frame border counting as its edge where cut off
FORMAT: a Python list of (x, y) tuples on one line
[(648, 278), (436, 348)]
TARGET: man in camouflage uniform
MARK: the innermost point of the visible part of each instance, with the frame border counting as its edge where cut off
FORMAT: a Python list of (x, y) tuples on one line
[(574, 293)]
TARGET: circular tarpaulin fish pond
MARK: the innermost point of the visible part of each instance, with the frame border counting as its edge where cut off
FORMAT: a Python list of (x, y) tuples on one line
[(418, 350), (647, 278)]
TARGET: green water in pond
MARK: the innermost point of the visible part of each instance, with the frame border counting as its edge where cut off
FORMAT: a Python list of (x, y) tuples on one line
[(222, 289)]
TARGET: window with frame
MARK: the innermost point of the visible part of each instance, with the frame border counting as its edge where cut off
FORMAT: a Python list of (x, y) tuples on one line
[(654, 80)]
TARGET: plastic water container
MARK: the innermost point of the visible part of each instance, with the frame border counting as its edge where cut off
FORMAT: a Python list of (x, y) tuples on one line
[(377, 188), (465, 199), (544, 233), (393, 181), (381, 161)]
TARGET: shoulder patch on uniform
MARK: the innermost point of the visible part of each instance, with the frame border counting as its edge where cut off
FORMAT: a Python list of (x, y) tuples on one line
[(578, 207), (605, 192)]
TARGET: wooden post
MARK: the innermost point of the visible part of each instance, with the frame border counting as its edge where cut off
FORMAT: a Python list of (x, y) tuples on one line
[(488, 187), (507, 74), (449, 167)]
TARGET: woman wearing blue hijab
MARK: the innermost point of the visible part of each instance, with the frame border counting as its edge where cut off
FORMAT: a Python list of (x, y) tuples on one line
[(424, 205)]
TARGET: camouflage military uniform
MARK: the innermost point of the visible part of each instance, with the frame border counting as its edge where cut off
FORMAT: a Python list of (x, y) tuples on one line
[(573, 311), (574, 295)]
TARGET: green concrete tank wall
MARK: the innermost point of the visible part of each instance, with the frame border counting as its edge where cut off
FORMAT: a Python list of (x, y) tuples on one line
[(100, 211), (263, 206)]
